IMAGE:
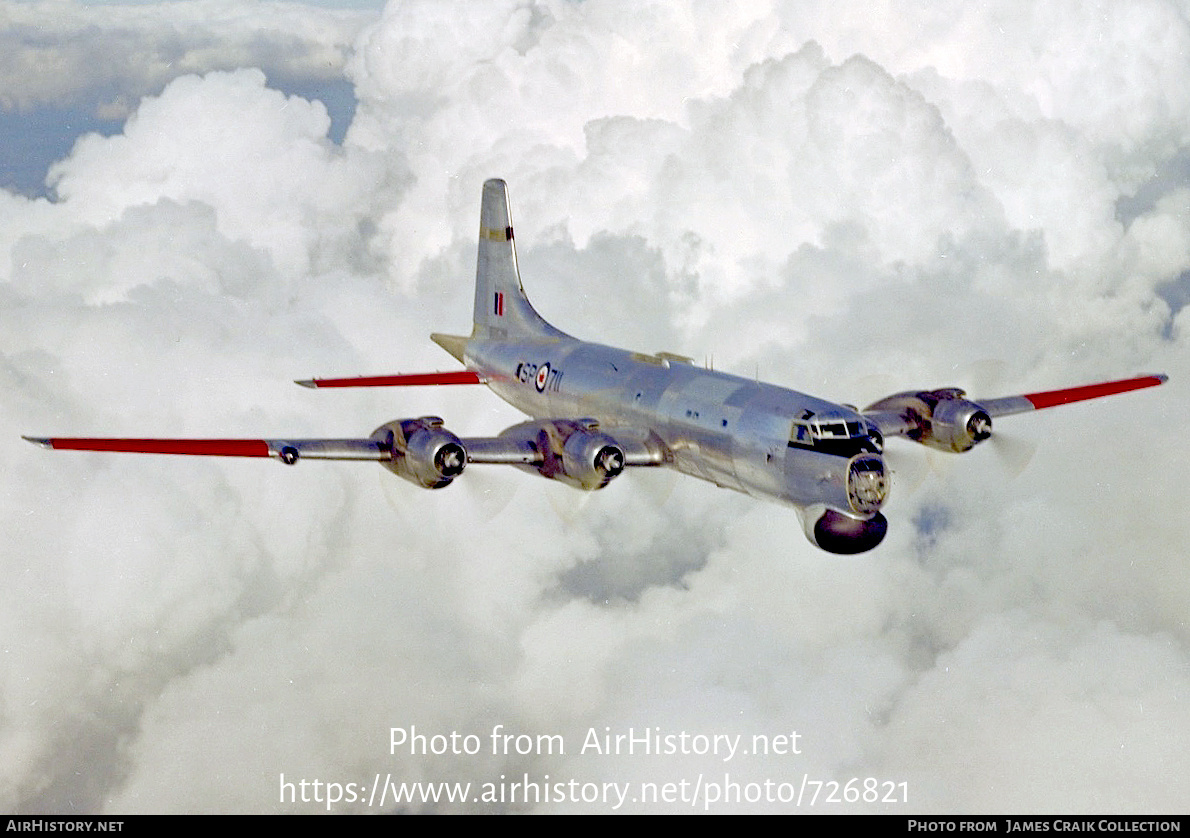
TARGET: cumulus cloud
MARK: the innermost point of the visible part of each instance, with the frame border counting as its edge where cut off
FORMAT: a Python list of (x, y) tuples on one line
[(846, 202), (109, 56)]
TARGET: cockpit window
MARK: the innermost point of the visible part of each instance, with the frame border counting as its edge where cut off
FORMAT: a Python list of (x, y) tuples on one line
[(836, 429), (841, 437)]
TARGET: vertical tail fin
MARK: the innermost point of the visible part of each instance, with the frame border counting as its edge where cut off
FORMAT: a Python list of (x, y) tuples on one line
[(501, 307)]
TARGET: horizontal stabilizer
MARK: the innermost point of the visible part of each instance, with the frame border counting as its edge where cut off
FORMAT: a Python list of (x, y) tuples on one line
[(406, 380), (456, 345)]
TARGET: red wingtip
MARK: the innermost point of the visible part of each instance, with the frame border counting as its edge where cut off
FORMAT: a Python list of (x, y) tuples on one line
[(1053, 398), (202, 447)]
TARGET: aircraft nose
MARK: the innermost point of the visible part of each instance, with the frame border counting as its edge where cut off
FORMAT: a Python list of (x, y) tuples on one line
[(867, 484)]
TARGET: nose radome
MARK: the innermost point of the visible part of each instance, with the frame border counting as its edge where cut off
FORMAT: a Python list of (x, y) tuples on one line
[(867, 484)]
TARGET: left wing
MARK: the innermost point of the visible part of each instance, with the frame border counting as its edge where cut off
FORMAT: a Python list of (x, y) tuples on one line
[(1052, 398), (945, 419)]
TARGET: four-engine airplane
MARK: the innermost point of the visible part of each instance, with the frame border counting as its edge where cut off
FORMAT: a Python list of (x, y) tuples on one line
[(597, 410)]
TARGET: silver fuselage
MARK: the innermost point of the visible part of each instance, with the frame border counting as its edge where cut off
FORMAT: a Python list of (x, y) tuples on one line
[(736, 433)]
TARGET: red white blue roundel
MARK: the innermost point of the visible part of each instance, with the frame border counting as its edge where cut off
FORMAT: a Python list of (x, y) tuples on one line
[(543, 375)]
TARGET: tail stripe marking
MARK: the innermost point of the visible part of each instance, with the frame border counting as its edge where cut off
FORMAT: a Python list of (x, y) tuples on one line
[(491, 235)]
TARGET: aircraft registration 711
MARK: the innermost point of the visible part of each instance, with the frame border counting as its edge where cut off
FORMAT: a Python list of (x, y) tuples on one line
[(596, 411)]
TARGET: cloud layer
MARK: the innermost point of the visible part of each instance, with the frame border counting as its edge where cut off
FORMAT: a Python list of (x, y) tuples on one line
[(847, 201), (65, 53)]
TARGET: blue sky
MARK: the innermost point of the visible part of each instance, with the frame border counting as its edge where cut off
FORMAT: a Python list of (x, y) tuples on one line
[(39, 130), (36, 138)]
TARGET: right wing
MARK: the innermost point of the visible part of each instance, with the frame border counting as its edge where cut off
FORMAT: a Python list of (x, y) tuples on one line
[(286, 450), (424, 452)]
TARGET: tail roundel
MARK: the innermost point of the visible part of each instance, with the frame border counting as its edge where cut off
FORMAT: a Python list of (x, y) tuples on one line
[(501, 308)]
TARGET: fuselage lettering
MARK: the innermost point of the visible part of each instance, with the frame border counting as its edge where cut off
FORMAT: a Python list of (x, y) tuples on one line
[(543, 377)]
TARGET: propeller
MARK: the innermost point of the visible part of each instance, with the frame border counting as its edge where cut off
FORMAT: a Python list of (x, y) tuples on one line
[(908, 467), (1013, 452)]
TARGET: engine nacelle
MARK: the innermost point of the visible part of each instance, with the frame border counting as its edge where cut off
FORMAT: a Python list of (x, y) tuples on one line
[(423, 452), (943, 419), (958, 425), (575, 453), (591, 459), (837, 532)]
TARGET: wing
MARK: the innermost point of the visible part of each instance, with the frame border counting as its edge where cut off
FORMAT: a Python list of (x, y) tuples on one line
[(1052, 398), (286, 450), (380, 447), (423, 452), (947, 420), (419, 450)]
